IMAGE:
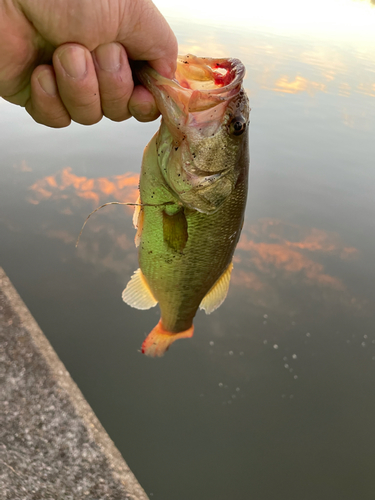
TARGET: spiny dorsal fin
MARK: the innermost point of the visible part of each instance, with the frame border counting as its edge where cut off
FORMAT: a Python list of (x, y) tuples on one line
[(217, 294), (137, 292), (175, 230)]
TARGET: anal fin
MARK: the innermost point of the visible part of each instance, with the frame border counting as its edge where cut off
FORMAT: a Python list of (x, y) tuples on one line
[(137, 292), (218, 292)]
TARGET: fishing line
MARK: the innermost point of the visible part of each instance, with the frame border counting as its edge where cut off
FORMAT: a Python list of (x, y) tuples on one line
[(121, 203)]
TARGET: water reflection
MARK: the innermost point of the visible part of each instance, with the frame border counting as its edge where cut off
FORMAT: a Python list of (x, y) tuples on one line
[(324, 17), (271, 255), (274, 256), (299, 84), (303, 280), (65, 185), (281, 64)]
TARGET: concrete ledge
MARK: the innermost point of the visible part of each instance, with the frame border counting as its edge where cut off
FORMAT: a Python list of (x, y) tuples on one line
[(52, 446)]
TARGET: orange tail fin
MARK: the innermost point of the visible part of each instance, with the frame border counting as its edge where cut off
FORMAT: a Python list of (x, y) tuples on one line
[(159, 340)]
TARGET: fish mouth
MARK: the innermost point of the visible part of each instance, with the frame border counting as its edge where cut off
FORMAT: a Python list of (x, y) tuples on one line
[(199, 94), (207, 81)]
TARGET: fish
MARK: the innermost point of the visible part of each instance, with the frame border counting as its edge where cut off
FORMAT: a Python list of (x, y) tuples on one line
[(192, 194)]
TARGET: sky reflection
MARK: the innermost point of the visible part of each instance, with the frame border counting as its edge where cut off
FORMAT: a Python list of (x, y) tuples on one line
[(302, 284), (271, 253), (328, 18)]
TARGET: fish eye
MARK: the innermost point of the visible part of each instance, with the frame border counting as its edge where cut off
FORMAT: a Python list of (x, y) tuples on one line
[(237, 126)]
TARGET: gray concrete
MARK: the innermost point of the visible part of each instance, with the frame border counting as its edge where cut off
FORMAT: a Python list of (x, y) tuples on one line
[(52, 446)]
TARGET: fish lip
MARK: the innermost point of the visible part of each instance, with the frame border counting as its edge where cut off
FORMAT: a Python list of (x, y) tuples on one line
[(195, 100), (234, 68)]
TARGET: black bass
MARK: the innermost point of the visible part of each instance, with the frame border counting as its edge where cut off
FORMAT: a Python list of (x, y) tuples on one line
[(193, 189)]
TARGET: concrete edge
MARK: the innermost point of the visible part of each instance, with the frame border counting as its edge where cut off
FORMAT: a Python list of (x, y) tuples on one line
[(120, 469)]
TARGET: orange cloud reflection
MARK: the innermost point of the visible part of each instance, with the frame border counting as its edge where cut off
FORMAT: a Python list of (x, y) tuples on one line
[(299, 84), (266, 256), (272, 255), (65, 183), (366, 89)]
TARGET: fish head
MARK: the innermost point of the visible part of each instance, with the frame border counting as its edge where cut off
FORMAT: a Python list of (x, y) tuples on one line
[(202, 144)]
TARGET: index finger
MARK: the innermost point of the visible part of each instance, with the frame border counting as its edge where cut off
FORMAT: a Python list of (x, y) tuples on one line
[(147, 36)]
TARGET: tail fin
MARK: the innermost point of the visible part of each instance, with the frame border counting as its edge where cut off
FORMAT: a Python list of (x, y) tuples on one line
[(159, 340)]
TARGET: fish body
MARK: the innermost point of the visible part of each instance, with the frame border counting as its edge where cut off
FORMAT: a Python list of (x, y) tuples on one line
[(193, 189)]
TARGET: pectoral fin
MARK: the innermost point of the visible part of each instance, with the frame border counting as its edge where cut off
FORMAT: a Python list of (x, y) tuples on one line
[(137, 292), (175, 230), (217, 294), (137, 210), (138, 217)]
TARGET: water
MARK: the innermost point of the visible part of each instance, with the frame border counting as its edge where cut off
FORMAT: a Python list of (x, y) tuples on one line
[(274, 395)]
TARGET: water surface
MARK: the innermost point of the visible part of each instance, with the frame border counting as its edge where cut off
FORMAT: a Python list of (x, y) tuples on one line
[(274, 395)]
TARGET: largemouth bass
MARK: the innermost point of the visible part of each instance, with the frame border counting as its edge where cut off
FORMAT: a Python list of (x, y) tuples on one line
[(193, 189)]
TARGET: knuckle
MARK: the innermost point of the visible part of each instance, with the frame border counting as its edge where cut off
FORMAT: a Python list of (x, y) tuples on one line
[(87, 120), (50, 121), (115, 103), (80, 100), (117, 115), (60, 120), (54, 115), (85, 110)]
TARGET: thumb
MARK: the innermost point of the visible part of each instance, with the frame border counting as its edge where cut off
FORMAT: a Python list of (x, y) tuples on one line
[(147, 36)]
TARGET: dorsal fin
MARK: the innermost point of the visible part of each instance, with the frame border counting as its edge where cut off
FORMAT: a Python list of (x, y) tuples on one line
[(137, 292), (217, 293)]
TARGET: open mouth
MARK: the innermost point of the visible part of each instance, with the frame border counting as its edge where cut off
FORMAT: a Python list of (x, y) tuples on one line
[(208, 74), (208, 81), (200, 83)]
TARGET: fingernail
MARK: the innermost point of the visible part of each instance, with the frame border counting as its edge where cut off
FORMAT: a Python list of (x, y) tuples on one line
[(108, 57), (47, 82), (73, 60), (165, 68)]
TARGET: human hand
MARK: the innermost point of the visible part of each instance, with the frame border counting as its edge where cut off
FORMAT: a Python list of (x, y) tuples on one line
[(67, 60)]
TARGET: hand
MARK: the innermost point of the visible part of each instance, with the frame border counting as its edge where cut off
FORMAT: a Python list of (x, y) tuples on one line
[(68, 60)]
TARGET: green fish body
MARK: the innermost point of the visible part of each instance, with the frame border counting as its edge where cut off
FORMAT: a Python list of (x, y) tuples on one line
[(193, 189)]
